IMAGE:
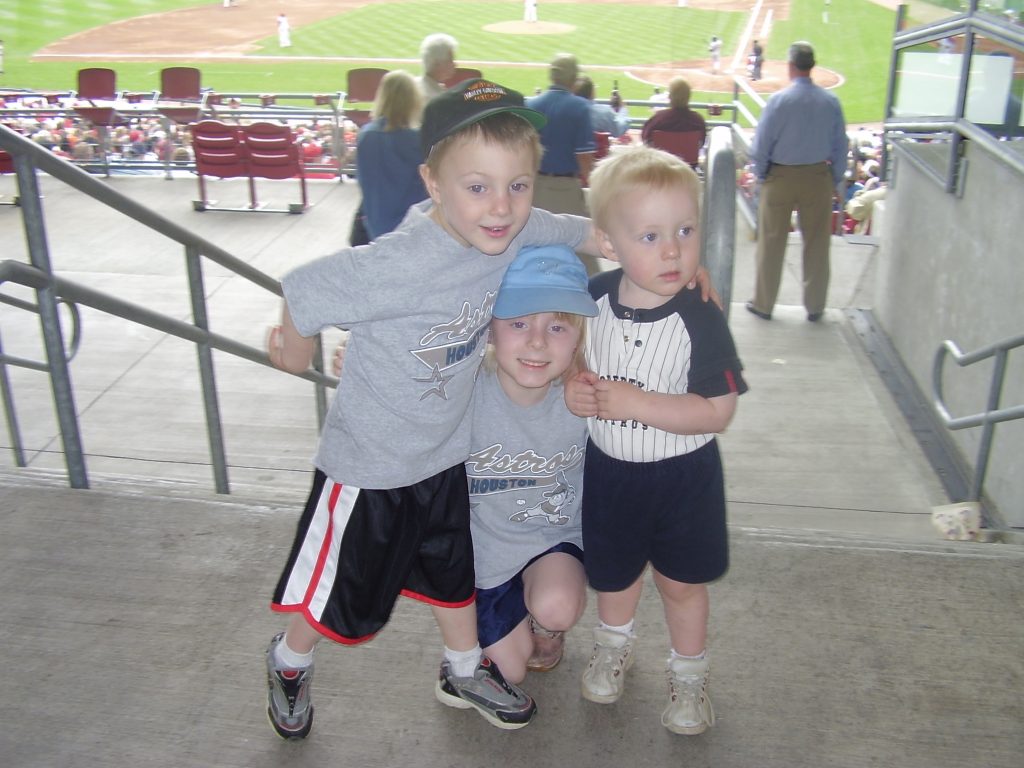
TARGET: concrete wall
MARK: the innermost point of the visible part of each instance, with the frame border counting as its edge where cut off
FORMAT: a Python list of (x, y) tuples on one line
[(953, 268)]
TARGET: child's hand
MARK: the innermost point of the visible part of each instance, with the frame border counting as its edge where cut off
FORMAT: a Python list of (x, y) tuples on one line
[(287, 348), (339, 359), (707, 290), (617, 400), (275, 346), (580, 396)]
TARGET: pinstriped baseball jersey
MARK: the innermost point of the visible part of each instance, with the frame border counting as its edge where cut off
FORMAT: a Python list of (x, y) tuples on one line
[(682, 346)]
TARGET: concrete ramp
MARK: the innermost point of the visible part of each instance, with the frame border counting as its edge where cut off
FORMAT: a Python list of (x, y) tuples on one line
[(135, 620)]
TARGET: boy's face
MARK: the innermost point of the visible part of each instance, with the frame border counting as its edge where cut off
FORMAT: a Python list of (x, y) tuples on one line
[(482, 193), (654, 236), (531, 352)]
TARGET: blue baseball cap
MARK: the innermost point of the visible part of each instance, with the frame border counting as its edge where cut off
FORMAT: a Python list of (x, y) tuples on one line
[(547, 278)]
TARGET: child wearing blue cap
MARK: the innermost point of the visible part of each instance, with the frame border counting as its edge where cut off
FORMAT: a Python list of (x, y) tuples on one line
[(525, 468)]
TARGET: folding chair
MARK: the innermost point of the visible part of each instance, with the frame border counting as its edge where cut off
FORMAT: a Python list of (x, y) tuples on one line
[(274, 154), (362, 82), (219, 152), (97, 86), (683, 144)]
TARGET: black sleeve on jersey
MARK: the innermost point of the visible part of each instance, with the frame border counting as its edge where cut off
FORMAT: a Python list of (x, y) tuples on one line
[(715, 367)]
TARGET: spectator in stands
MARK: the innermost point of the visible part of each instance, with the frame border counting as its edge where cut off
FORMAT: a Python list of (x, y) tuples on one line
[(799, 154), (568, 140), (602, 117), (437, 52), (388, 154), (678, 117)]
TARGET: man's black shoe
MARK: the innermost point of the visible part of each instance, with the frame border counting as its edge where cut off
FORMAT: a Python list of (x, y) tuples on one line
[(755, 311)]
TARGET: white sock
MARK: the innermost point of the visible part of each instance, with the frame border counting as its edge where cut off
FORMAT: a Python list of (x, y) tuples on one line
[(626, 629), (289, 659), (463, 663), (676, 655)]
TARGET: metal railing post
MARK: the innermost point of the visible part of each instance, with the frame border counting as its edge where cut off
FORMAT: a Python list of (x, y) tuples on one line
[(11, 412), (720, 213), (204, 353), (53, 340)]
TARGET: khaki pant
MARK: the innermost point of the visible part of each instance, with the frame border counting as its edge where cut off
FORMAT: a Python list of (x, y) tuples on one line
[(806, 189), (563, 194)]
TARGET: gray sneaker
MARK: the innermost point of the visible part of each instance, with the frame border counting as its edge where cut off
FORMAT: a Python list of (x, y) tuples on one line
[(605, 675), (689, 709), (501, 703), (288, 702)]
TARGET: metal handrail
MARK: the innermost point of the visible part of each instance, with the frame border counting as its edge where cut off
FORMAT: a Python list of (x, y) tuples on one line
[(51, 290), (993, 413), (720, 213)]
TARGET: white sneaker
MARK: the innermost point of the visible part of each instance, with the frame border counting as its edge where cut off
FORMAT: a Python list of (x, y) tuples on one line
[(605, 675), (689, 709)]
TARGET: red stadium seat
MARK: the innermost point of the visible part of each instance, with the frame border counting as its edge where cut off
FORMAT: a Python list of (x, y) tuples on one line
[(683, 144), (362, 83)]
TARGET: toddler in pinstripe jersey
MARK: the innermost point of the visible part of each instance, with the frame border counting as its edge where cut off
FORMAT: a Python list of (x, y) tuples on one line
[(663, 379)]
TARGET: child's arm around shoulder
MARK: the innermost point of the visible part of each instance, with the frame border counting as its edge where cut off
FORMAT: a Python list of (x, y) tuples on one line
[(287, 348)]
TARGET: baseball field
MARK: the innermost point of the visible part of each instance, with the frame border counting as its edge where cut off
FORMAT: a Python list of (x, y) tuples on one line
[(635, 43)]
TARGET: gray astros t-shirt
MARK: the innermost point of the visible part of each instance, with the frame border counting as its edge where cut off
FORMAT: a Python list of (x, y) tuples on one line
[(417, 305), (525, 479)]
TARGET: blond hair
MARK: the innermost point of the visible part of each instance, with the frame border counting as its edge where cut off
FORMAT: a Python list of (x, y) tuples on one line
[(679, 93), (636, 167), (504, 129), (399, 101)]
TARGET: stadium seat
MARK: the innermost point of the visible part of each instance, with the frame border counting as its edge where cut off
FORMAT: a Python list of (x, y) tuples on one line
[(464, 73), (362, 82), (261, 150), (358, 116), (7, 166), (274, 154), (219, 152), (181, 98), (683, 144), (96, 102), (603, 140)]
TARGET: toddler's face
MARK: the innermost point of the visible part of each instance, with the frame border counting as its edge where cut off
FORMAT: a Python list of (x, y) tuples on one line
[(482, 193), (531, 352), (654, 235)]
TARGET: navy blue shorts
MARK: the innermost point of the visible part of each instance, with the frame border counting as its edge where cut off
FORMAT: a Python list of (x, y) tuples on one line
[(668, 513), (500, 609)]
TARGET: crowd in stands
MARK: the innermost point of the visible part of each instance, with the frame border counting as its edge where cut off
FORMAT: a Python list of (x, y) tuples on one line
[(152, 138), (146, 137)]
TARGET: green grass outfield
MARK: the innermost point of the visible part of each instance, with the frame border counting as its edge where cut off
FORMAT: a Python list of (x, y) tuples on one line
[(856, 43)]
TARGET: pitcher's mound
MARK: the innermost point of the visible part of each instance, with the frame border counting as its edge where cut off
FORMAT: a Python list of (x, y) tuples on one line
[(530, 28)]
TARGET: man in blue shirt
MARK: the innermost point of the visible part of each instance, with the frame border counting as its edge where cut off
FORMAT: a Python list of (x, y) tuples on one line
[(799, 155), (568, 141), (602, 117)]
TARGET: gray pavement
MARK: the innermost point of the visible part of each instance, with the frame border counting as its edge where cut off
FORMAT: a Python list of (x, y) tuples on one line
[(135, 613)]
